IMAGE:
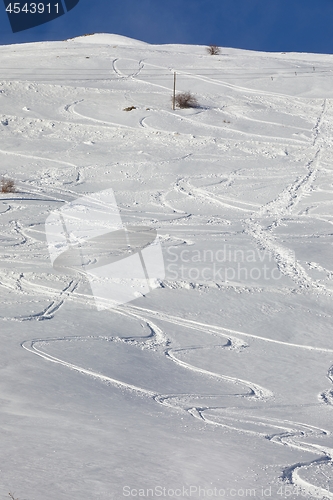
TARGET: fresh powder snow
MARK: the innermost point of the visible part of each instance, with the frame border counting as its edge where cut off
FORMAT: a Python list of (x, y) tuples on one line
[(217, 383)]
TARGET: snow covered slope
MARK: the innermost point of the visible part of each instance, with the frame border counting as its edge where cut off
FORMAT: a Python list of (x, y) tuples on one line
[(219, 382)]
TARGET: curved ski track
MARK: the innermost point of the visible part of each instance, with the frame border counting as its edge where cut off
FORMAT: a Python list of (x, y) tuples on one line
[(292, 434)]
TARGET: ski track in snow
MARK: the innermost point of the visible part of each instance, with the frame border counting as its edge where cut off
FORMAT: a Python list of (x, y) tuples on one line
[(293, 434), (290, 433), (282, 205)]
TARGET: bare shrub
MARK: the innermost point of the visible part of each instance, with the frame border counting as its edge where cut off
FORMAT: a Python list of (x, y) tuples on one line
[(7, 186), (186, 100), (12, 496), (213, 50), (130, 108)]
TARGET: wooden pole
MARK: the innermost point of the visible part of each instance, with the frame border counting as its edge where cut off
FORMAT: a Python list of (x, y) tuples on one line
[(174, 92)]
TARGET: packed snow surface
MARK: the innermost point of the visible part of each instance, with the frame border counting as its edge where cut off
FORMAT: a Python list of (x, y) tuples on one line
[(218, 383)]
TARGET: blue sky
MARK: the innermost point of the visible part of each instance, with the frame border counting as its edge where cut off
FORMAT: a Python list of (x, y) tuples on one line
[(269, 25)]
